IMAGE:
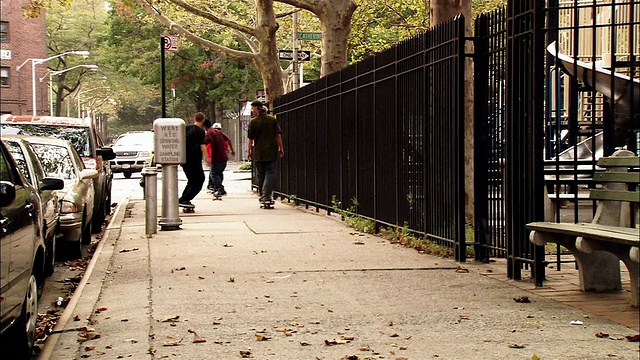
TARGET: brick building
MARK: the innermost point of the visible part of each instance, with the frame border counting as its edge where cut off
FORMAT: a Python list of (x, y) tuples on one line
[(21, 39)]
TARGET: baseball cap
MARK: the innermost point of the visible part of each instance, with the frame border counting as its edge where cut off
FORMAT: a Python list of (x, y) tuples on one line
[(217, 126), (259, 105)]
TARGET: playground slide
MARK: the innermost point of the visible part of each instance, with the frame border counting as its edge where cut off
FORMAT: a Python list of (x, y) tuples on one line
[(624, 90)]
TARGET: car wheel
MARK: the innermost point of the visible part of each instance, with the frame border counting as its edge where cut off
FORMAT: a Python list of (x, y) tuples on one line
[(98, 217), (86, 232), (127, 174), (50, 255), (22, 335)]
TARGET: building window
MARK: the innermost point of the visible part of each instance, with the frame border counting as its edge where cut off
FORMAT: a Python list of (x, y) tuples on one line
[(4, 31), (4, 76)]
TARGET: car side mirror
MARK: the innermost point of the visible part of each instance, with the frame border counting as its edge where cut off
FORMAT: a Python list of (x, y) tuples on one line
[(107, 153), (88, 174), (7, 193), (51, 184)]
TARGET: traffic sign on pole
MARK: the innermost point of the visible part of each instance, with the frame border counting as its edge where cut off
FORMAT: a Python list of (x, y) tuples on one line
[(309, 35), (303, 55), (170, 42)]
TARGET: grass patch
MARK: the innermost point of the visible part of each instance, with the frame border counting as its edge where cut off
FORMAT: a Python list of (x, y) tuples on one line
[(245, 166), (350, 217)]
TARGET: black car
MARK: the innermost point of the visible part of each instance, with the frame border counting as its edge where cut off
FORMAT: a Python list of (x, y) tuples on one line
[(22, 252), (85, 139), (31, 169)]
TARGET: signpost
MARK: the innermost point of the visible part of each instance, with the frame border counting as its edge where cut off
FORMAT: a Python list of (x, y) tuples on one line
[(303, 55), (310, 35)]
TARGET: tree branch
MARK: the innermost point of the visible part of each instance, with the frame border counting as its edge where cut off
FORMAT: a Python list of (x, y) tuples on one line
[(209, 16), (176, 28)]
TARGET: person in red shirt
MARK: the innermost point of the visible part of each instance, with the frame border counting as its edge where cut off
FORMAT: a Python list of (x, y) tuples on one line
[(219, 144)]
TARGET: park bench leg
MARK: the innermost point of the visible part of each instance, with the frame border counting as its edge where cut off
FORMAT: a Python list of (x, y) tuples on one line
[(598, 271)]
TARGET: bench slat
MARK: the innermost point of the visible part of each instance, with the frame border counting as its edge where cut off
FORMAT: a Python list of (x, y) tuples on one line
[(619, 161), (628, 177), (626, 236), (615, 195)]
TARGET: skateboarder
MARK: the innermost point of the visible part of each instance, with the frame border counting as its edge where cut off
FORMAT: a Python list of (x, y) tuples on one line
[(196, 149), (265, 145), (218, 141)]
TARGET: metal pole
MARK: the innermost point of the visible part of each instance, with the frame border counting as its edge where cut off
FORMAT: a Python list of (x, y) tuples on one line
[(163, 90), (50, 94), (170, 219), (33, 86), (296, 75), (150, 177)]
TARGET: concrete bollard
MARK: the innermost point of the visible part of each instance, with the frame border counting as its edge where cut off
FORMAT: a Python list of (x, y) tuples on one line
[(150, 181)]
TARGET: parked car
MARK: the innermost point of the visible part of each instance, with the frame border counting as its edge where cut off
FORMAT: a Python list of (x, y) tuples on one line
[(84, 137), (22, 252), (59, 159), (30, 168), (134, 152)]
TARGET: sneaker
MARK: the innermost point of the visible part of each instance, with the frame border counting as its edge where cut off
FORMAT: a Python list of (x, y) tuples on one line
[(185, 203)]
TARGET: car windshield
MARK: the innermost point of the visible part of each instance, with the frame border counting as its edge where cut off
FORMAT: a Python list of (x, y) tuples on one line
[(135, 140), (78, 136), (56, 161)]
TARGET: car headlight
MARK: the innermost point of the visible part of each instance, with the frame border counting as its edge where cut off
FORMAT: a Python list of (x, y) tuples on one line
[(67, 206)]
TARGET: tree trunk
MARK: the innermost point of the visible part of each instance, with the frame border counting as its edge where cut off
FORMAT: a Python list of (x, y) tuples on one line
[(335, 20), (441, 11)]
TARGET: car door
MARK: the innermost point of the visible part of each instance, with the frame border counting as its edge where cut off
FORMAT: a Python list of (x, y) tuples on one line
[(19, 237)]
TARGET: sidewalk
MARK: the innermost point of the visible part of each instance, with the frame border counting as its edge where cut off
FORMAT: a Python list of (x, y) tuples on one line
[(292, 284)]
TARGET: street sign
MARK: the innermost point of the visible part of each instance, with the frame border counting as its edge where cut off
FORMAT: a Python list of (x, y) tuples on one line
[(303, 55), (309, 35), (170, 42)]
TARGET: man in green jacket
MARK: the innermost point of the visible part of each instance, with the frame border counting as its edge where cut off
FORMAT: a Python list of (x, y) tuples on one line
[(265, 145)]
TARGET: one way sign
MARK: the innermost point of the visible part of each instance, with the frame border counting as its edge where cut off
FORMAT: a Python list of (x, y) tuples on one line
[(303, 55)]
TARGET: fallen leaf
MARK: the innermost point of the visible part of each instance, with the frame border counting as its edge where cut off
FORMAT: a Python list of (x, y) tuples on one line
[(305, 343), (99, 310), (633, 338), (232, 280), (89, 347), (129, 250), (172, 342), (261, 337), (358, 242), (522, 299), (461, 269), (334, 342), (170, 319), (348, 338), (245, 354), (394, 335), (517, 346), (602, 335)]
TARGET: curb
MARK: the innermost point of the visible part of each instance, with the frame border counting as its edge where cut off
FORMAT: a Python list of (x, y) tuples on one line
[(112, 232)]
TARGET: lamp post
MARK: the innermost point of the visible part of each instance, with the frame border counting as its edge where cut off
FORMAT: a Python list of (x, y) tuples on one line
[(52, 73), (35, 62), (86, 91)]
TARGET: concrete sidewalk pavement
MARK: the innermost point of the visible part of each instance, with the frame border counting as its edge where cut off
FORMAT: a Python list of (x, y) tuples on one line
[(238, 281)]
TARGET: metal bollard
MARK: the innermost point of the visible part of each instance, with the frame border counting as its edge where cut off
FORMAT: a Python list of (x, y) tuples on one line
[(150, 178), (170, 219)]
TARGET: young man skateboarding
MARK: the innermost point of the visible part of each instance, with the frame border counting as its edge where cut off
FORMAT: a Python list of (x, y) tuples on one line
[(196, 149), (265, 145)]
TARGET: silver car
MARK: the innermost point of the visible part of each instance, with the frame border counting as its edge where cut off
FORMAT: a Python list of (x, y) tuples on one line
[(60, 160), (134, 152)]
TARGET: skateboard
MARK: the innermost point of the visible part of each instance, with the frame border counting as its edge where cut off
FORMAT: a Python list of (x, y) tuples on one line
[(267, 205), (215, 195), (187, 208)]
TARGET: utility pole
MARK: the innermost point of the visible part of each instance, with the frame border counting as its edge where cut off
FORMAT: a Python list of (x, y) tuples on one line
[(296, 72)]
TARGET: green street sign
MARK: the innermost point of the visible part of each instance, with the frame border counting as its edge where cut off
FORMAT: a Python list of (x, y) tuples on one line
[(310, 36)]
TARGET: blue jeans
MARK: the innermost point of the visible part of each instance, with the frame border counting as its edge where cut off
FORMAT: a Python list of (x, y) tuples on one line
[(266, 178), (216, 175)]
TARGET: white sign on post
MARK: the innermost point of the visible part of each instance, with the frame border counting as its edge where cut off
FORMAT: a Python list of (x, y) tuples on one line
[(170, 142), (170, 42)]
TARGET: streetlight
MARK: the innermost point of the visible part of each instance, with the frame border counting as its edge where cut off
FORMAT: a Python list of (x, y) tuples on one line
[(51, 73), (35, 62), (86, 91)]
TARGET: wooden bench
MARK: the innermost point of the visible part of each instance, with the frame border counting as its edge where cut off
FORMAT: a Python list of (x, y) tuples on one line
[(613, 234)]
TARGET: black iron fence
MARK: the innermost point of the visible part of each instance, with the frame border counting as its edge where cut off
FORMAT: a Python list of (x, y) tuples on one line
[(556, 86), (384, 137)]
